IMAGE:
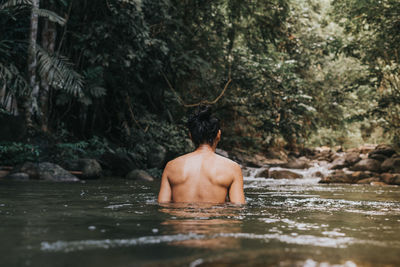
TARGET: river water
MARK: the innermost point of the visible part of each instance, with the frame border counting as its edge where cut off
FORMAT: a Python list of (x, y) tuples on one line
[(114, 222)]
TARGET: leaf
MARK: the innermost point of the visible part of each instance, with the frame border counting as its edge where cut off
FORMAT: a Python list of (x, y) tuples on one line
[(52, 16), (12, 79), (15, 3), (58, 72)]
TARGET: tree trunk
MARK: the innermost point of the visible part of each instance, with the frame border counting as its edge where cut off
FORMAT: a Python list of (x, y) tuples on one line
[(49, 34), (31, 105)]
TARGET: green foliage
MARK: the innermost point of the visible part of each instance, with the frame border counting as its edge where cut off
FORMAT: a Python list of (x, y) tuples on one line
[(92, 148), (150, 132), (59, 72), (373, 36), (12, 153), (304, 71)]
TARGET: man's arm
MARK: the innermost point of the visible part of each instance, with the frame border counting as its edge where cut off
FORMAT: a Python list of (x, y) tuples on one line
[(236, 194), (165, 194)]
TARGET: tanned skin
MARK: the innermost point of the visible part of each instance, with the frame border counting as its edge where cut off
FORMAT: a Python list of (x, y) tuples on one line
[(202, 176)]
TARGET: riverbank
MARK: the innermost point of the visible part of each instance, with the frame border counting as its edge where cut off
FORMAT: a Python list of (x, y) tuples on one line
[(368, 164)]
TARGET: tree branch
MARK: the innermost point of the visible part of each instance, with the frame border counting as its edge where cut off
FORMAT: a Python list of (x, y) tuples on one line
[(206, 102)]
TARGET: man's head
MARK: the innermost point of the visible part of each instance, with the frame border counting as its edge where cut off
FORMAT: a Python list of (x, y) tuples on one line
[(203, 127)]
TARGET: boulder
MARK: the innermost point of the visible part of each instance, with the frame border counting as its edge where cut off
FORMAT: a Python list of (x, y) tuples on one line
[(53, 172), (391, 178), (358, 175), (366, 148), (276, 153), (339, 163), (119, 163), (383, 149), (318, 174), (90, 168), (30, 168), (367, 165), (378, 184), (396, 179), (352, 158), (297, 163), (157, 157), (323, 153), (284, 174), (368, 180), (18, 176), (139, 175), (337, 177), (345, 161), (263, 173), (387, 177), (378, 157), (391, 164), (247, 160)]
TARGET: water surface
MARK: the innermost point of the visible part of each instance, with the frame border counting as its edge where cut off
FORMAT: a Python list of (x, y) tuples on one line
[(114, 222)]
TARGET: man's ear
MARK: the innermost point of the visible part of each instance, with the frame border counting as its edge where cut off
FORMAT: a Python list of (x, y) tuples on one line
[(218, 135)]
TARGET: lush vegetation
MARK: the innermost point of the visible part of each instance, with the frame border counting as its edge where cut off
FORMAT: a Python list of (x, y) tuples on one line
[(278, 73)]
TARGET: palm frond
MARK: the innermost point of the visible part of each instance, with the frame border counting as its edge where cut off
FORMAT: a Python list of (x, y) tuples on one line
[(59, 72), (52, 16), (12, 79), (15, 3)]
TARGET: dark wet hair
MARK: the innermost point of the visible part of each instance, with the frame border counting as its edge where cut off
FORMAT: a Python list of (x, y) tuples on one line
[(203, 126)]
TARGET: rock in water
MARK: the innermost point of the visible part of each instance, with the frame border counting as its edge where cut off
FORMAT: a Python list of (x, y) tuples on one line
[(355, 176), (339, 163), (21, 176), (368, 180), (263, 173), (139, 175), (30, 168), (383, 149), (378, 157), (53, 172), (90, 168), (367, 165), (337, 177), (297, 163), (352, 158), (391, 178), (378, 184), (284, 174), (391, 164)]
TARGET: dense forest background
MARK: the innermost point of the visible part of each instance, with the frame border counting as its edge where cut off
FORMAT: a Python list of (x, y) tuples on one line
[(79, 77)]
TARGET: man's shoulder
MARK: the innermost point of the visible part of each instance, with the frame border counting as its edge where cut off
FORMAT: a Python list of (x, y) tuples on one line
[(177, 161), (228, 162)]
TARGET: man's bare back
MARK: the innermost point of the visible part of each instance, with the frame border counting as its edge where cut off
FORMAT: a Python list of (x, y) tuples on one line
[(202, 176)]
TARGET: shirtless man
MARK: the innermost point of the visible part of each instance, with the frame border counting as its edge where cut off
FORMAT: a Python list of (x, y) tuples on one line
[(202, 176)]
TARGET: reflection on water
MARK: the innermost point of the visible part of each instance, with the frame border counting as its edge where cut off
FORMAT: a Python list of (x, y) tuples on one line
[(118, 223), (208, 220)]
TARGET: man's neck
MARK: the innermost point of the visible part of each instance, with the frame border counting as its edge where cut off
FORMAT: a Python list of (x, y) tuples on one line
[(206, 148)]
